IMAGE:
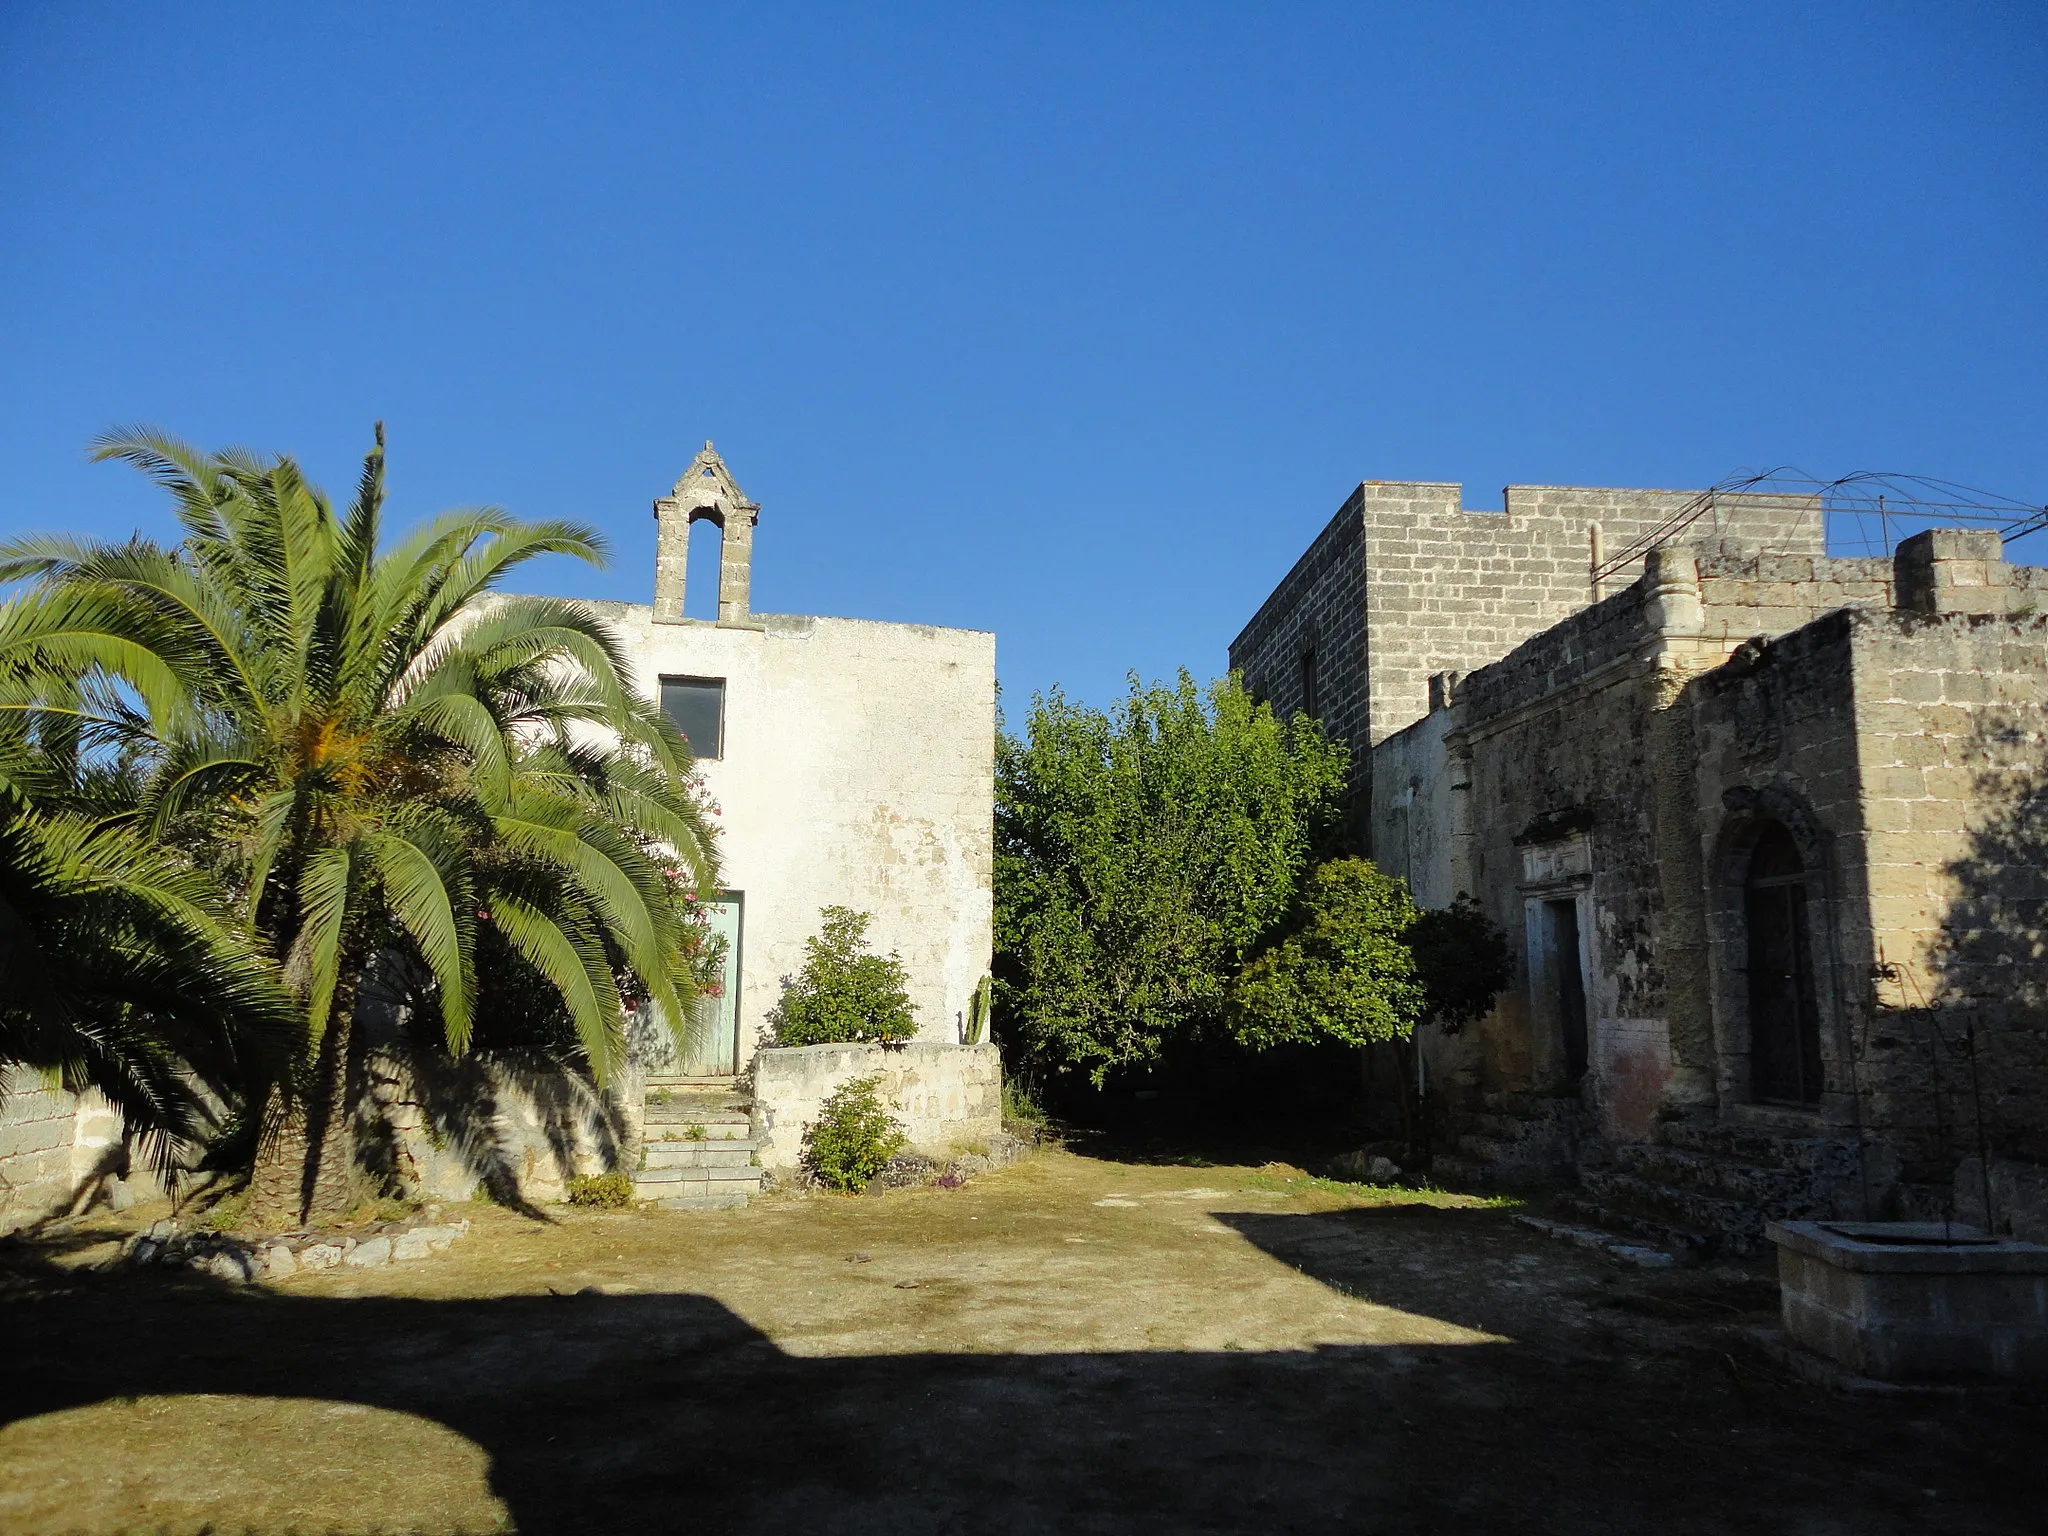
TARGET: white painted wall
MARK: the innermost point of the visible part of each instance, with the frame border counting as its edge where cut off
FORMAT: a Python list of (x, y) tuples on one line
[(859, 771)]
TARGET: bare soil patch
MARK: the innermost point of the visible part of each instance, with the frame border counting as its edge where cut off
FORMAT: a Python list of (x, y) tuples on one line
[(1074, 1344)]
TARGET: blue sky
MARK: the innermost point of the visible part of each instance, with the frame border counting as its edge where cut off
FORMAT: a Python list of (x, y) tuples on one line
[(1073, 322)]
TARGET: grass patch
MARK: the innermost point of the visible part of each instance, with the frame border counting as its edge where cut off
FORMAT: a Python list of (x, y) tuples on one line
[(1302, 1183)]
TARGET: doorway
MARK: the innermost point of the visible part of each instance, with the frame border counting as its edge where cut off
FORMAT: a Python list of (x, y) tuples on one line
[(1784, 1024), (1561, 933), (711, 1040)]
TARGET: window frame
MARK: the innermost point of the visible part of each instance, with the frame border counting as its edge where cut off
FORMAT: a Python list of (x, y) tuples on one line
[(660, 688)]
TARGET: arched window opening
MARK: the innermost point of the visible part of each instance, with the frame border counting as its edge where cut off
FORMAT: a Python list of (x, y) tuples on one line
[(706, 569), (1784, 1023)]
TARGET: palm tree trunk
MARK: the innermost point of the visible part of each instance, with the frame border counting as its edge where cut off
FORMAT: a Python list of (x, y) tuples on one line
[(277, 1183), (331, 1120), (306, 1150)]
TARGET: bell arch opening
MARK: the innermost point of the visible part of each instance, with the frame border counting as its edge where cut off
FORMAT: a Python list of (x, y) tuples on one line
[(705, 581)]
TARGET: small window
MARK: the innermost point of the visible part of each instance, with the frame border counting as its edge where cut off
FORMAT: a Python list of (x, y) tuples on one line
[(1309, 702), (697, 706)]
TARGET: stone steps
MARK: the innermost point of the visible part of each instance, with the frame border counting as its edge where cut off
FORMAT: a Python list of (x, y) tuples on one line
[(715, 1123), (1716, 1177), (698, 1149), (722, 1202), (1761, 1148), (1666, 1235), (1713, 1221), (729, 1152)]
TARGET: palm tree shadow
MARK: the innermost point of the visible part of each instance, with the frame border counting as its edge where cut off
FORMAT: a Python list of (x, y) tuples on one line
[(649, 1412)]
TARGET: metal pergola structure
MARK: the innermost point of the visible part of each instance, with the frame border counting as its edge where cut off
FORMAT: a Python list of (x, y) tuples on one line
[(1867, 513)]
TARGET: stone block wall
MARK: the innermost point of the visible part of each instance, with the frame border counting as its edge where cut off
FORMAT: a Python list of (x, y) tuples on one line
[(1952, 731), (518, 1128), (1404, 584), (1317, 610), (54, 1146), (1451, 590), (946, 1097), (1774, 735)]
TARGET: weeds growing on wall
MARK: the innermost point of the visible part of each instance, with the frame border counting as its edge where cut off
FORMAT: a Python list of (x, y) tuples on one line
[(845, 993), (853, 1137), (605, 1191)]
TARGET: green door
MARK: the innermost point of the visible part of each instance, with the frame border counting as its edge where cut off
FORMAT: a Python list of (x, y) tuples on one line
[(711, 1043)]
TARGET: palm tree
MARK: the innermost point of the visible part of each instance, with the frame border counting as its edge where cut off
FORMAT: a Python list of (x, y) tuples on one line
[(122, 967), (381, 753)]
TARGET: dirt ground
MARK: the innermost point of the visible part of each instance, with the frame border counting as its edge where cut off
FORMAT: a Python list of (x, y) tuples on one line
[(1079, 1343)]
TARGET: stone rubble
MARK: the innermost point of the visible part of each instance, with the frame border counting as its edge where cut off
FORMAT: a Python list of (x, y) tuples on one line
[(272, 1259)]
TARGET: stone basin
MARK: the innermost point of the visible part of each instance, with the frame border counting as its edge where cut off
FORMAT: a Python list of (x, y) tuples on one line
[(1915, 1301)]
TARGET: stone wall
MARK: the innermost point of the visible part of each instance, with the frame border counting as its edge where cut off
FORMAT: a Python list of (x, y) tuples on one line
[(518, 1129), (1318, 609), (1405, 584), (947, 1097), (1952, 728), (56, 1148)]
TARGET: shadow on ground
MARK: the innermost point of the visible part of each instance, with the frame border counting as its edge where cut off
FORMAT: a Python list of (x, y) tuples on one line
[(649, 1412)]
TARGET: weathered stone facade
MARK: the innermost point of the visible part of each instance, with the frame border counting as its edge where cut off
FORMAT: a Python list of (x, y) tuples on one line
[(1747, 782), (1404, 583)]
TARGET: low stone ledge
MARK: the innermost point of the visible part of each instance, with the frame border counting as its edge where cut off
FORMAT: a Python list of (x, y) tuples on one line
[(239, 1261), (944, 1096)]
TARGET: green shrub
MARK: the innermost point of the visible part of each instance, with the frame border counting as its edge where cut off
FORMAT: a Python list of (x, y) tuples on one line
[(1021, 1109), (844, 993), (606, 1191), (853, 1137)]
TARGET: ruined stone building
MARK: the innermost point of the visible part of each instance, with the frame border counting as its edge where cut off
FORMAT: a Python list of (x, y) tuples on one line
[(1766, 829)]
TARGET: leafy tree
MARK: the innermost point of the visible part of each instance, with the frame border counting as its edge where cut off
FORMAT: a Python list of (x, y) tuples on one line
[(1343, 970), (1142, 855), (379, 753), (844, 992), (122, 967), (1463, 960)]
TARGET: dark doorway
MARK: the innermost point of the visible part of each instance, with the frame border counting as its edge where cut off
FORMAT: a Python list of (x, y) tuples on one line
[(1561, 920), (1784, 1024)]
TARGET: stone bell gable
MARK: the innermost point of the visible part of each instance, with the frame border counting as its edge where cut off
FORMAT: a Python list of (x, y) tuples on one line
[(706, 492)]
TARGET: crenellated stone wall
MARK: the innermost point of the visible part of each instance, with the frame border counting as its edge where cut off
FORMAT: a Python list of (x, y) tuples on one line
[(1405, 584)]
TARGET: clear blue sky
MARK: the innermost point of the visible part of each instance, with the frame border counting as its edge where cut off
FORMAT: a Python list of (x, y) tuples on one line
[(1073, 322)]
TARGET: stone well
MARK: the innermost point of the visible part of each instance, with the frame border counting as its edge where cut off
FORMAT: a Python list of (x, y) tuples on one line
[(1915, 1301)]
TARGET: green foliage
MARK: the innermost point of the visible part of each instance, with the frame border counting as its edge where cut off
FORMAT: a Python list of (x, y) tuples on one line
[(1141, 857), (1360, 963), (844, 992), (853, 1137), (1464, 961), (123, 967), (376, 754), (1021, 1109), (605, 1191), (1342, 971), (978, 1010)]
